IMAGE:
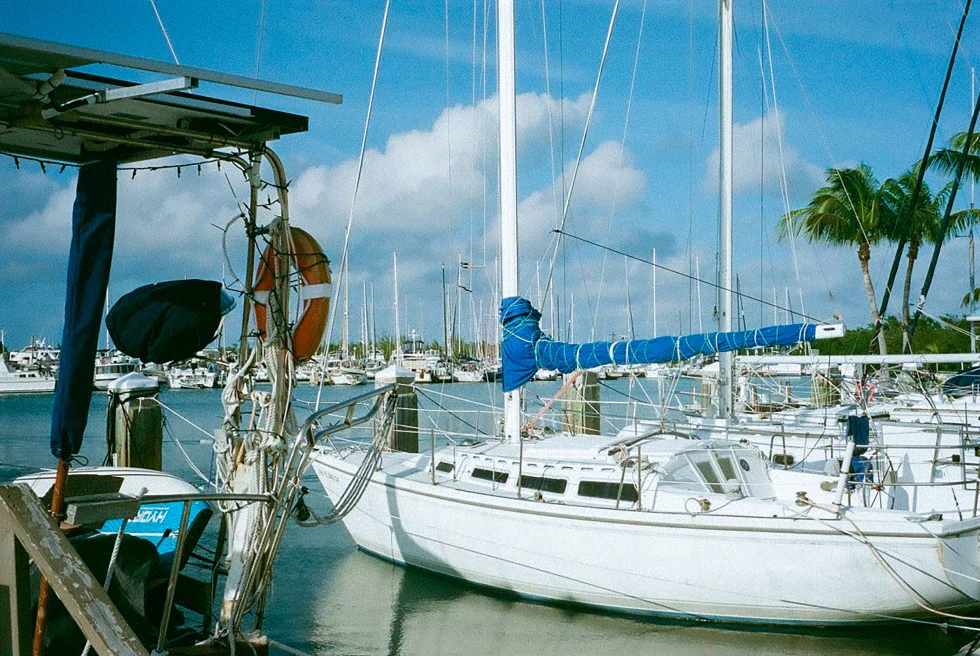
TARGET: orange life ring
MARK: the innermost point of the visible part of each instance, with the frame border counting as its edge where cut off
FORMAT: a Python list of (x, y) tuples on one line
[(307, 259)]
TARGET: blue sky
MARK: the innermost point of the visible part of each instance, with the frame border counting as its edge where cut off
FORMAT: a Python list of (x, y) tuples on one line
[(854, 82)]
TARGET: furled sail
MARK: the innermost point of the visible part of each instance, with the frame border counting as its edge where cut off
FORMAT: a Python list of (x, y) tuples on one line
[(526, 348)]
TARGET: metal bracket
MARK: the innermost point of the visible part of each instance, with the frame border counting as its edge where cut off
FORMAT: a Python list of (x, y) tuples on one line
[(120, 93)]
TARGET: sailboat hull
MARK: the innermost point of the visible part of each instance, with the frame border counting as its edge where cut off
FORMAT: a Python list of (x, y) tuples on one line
[(727, 569)]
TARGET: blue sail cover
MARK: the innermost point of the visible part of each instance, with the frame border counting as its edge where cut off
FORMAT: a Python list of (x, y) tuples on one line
[(89, 257), (526, 348)]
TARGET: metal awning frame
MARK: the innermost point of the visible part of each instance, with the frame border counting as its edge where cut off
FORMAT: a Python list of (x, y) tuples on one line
[(52, 98)]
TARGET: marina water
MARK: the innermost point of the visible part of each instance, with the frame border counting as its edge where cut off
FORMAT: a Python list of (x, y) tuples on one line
[(329, 598)]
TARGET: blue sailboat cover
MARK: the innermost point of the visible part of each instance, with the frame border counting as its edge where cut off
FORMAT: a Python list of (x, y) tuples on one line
[(89, 260), (526, 348)]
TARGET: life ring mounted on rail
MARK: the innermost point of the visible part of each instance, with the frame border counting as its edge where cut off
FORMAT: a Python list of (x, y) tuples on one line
[(312, 273)]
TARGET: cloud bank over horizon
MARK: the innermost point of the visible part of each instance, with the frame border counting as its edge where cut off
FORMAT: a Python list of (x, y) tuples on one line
[(430, 194)]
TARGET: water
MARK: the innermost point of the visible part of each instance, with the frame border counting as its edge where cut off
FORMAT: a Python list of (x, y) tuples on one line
[(329, 598)]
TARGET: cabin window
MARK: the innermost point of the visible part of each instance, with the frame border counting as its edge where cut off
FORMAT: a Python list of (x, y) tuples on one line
[(444, 467), (727, 468), (710, 477), (543, 484), (607, 490), (489, 475)]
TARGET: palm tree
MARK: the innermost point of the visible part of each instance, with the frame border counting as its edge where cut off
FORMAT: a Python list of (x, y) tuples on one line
[(924, 224), (849, 211), (947, 161)]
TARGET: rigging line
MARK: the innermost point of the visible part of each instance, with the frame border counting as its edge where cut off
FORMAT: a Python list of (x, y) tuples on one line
[(581, 148), (947, 219), (258, 50), (619, 165), (165, 35), (690, 162), (483, 122), (684, 275), (551, 115), (449, 142), (905, 225), (783, 178), (357, 184), (813, 114), (947, 324)]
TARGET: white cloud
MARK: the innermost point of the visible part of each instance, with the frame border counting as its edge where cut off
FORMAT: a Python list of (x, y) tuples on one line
[(761, 155), (408, 185)]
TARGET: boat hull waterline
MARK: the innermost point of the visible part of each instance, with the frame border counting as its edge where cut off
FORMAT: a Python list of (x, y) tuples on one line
[(727, 569)]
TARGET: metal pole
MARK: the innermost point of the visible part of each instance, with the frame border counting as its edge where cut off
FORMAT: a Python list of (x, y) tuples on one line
[(172, 583), (398, 329), (725, 30), (508, 184)]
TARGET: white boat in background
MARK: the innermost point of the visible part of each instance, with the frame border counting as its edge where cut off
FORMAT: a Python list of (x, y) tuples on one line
[(190, 378), (468, 374), (346, 378), (36, 356), (24, 381), (112, 366)]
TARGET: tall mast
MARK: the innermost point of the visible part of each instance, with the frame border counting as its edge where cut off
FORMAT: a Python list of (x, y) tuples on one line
[(654, 292), (398, 327), (725, 29), (365, 331), (345, 346), (374, 325), (445, 319), (508, 184)]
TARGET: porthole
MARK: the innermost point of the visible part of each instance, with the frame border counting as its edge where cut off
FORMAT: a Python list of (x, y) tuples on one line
[(744, 464)]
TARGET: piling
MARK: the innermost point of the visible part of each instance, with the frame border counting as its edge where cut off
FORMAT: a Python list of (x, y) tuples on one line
[(404, 431), (580, 405), (135, 422), (821, 390)]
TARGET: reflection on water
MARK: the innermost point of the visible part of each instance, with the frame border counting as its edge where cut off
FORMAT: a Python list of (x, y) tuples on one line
[(328, 598)]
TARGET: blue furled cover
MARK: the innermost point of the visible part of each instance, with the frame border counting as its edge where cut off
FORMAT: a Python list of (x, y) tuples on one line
[(526, 349), (89, 258), (521, 333)]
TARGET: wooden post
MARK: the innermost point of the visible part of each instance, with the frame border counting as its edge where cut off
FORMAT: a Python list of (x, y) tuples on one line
[(580, 405), (138, 422), (404, 435), (16, 631)]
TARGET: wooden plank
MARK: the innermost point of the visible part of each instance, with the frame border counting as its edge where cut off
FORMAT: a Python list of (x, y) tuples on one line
[(16, 625), (70, 579), (96, 509)]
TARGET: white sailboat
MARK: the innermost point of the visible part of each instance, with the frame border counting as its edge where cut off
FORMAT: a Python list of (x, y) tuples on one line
[(649, 523)]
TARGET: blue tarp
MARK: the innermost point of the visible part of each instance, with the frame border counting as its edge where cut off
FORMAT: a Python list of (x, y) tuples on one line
[(89, 258), (526, 348)]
